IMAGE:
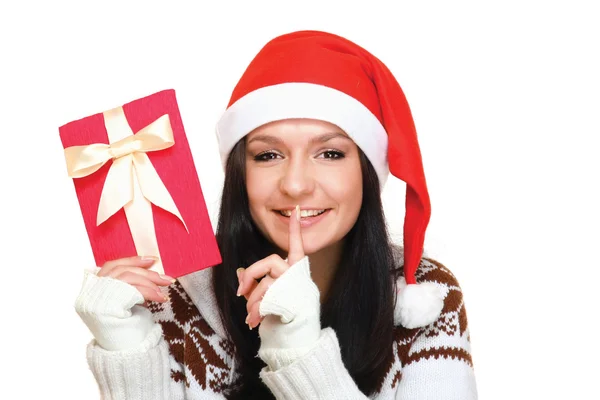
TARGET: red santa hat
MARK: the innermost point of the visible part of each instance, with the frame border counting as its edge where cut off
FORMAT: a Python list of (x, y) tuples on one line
[(318, 75)]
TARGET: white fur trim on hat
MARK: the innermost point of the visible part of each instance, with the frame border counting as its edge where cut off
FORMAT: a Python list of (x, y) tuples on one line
[(418, 305), (305, 100)]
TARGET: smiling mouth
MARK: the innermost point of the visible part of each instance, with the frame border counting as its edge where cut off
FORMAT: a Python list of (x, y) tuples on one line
[(303, 213)]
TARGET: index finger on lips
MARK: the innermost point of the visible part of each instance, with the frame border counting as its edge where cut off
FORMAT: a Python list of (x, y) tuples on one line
[(296, 247), (273, 265)]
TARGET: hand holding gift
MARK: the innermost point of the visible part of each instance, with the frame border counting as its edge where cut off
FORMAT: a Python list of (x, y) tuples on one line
[(112, 303), (135, 271)]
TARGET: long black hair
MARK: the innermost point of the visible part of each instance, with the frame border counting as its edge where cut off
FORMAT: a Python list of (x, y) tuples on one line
[(360, 302)]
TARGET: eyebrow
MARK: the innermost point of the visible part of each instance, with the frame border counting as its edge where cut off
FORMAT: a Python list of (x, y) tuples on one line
[(272, 140)]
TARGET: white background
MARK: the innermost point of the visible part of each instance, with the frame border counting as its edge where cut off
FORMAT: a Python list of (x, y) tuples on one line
[(506, 99)]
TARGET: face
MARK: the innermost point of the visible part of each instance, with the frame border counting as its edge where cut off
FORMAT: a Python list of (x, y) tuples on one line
[(309, 163)]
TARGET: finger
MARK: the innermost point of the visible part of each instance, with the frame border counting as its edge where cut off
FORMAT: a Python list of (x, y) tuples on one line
[(162, 280), (254, 318), (253, 284), (135, 261), (272, 265), (252, 288), (138, 280), (296, 247), (151, 294), (256, 297)]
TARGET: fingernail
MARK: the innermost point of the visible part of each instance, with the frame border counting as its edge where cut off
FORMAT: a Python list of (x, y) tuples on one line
[(298, 212), (149, 258), (167, 278), (247, 319), (238, 272)]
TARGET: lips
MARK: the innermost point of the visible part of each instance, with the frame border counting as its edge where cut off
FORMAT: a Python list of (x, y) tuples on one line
[(309, 217)]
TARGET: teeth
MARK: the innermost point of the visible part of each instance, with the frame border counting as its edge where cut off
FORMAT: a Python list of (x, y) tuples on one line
[(303, 213), (310, 213)]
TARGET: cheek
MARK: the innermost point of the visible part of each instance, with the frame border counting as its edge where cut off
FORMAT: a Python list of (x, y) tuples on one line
[(256, 196), (353, 197), (346, 188), (259, 187)]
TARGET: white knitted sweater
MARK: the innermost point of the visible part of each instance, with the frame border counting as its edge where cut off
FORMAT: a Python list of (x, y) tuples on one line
[(179, 350)]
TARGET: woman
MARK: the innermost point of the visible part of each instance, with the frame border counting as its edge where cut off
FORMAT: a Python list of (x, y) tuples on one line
[(310, 133)]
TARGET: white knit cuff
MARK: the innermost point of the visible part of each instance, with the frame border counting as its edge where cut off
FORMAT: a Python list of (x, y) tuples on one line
[(110, 309), (277, 358), (293, 294), (292, 326), (319, 374)]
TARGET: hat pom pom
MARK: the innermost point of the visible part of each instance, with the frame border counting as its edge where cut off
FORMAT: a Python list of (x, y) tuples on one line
[(418, 305)]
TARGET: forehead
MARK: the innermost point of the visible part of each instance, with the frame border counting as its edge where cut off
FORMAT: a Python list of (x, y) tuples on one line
[(290, 128)]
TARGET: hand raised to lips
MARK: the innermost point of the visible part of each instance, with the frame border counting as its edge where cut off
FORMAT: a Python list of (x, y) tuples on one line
[(269, 269)]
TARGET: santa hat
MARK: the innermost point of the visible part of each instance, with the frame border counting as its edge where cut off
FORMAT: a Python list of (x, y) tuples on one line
[(318, 75)]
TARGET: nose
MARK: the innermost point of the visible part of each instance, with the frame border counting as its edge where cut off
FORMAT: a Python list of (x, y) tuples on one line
[(297, 179)]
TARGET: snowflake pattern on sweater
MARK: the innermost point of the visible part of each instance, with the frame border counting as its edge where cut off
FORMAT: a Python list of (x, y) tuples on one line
[(205, 360)]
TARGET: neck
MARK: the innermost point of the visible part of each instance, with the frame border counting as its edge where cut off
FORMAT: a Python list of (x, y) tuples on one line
[(323, 266)]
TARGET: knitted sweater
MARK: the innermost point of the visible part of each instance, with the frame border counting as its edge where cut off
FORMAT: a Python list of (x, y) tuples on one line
[(185, 354)]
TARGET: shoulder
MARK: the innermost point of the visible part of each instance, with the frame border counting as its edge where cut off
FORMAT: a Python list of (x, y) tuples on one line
[(439, 349), (437, 275), (453, 317), (449, 331), (429, 270)]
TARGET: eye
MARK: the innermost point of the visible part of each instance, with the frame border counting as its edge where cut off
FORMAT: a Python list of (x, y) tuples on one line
[(332, 154), (266, 156)]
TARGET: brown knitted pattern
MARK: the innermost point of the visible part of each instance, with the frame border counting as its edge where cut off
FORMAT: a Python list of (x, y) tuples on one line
[(192, 342), (452, 322)]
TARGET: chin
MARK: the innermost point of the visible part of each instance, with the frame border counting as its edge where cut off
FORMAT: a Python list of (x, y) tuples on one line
[(310, 246), (309, 249)]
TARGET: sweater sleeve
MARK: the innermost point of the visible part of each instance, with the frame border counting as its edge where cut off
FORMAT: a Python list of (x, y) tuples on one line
[(128, 356), (318, 374), (437, 365), (143, 372), (303, 360)]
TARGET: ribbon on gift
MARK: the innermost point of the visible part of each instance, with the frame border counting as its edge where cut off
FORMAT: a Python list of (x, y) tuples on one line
[(132, 182)]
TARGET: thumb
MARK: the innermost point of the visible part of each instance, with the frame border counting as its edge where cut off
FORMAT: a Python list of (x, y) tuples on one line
[(296, 247)]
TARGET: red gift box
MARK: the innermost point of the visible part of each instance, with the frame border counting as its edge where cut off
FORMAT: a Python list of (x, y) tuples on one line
[(138, 188)]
